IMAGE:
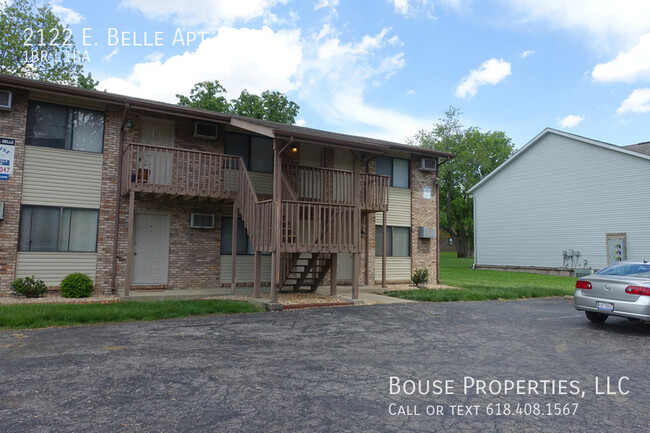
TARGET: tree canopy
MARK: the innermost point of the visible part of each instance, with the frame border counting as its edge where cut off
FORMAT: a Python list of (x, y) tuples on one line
[(210, 95), (477, 154), (35, 44)]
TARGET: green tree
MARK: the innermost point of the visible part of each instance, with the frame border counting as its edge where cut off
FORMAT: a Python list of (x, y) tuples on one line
[(477, 154), (35, 44), (273, 106), (207, 95)]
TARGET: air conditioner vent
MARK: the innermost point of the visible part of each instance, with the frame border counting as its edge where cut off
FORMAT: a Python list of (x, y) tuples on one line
[(428, 164), (201, 221), (205, 130), (5, 99)]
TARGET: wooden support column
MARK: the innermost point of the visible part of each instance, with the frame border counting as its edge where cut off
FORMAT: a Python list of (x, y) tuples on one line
[(333, 273), (129, 244), (257, 292), (277, 221), (233, 251), (356, 197), (383, 251)]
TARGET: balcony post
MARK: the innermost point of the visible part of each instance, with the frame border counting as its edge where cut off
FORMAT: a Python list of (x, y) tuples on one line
[(233, 250), (333, 273), (356, 200), (258, 274), (383, 251), (277, 221), (129, 244)]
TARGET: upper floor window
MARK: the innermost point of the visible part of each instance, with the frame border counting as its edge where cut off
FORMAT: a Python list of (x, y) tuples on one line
[(257, 152), (396, 168), (45, 228), (62, 127)]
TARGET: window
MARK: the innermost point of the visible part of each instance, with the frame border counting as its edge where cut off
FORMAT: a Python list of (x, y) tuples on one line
[(396, 168), (398, 241), (244, 246), (257, 152), (44, 228), (61, 127)]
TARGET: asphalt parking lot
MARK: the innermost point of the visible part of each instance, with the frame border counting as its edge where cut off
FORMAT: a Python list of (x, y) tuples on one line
[(521, 366)]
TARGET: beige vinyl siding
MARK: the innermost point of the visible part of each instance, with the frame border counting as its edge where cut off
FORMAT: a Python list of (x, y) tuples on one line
[(262, 182), (245, 269), (344, 267), (55, 177), (397, 268), (399, 208), (53, 267)]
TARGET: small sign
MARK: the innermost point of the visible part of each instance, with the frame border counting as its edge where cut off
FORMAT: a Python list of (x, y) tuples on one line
[(426, 192), (7, 151)]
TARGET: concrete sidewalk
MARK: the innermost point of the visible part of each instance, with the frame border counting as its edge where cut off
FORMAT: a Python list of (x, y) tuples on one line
[(366, 293)]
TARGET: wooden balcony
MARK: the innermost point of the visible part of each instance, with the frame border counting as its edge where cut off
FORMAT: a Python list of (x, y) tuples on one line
[(178, 172), (332, 186), (164, 170)]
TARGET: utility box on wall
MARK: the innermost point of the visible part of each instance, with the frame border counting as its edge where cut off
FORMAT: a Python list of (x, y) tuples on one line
[(615, 247), (426, 232)]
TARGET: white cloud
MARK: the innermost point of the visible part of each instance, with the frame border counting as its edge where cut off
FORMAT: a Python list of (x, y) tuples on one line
[(336, 77), (256, 60), (637, 102), (210, 14), (156, 56), (108, 57), (410, 92), (570, 121), (67, 15), (526, 53), (326, 4), (603, 21), (413, 8), (492, 71), (627, 66)]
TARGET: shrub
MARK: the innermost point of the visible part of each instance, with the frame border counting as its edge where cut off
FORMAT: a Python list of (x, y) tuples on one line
[(29, 287), (76, 285), (420, 276)]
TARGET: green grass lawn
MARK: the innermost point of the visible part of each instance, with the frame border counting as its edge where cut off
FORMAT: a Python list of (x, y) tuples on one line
[(478, 285), (25, 316)]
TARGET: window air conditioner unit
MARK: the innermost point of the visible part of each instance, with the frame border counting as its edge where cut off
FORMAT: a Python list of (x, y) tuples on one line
[(428, 164), (5, 99), (205, 130), (201, 221)]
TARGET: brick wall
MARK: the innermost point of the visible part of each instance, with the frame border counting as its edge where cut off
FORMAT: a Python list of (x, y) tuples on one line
[(423, 213), (12, 125)]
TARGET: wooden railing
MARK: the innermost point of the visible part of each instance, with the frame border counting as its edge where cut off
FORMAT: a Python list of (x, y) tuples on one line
[(165, 170), (374, 192), (316, 227), (332, 186)]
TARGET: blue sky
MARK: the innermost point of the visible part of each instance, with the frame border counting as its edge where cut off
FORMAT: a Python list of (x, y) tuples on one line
[(388, 68)]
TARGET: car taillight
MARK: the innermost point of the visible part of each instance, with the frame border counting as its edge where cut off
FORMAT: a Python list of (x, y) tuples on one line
[(638, 290), (585, 285)]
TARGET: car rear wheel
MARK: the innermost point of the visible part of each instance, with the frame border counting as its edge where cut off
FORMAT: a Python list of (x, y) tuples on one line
[(596, 317)]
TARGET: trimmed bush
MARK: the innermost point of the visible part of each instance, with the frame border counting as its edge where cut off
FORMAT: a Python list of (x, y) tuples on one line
[(76, 285), (420, 276), (29, 287)]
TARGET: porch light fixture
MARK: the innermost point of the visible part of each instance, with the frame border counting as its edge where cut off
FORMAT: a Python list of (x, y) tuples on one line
[(129, 123), (294, 148)]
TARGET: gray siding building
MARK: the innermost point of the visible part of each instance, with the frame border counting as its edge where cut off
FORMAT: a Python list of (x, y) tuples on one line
[(563, 202)]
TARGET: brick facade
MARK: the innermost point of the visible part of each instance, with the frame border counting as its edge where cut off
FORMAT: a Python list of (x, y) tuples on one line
[(194, 254), (12, 125)]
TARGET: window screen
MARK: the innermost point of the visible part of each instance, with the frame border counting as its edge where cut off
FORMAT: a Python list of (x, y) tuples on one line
[(243, 244), (261, 154), (54, 229), (398, 241)]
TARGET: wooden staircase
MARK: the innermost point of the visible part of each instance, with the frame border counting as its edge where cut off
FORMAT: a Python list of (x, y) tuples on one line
[(305, 270)]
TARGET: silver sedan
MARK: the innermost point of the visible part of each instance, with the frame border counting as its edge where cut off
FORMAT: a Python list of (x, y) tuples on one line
[(621, 289)]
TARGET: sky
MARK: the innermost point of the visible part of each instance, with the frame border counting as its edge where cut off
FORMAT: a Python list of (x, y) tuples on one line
[(388, 68)]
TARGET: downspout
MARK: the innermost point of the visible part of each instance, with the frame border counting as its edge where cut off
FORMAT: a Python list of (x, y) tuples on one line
[(119, 200)]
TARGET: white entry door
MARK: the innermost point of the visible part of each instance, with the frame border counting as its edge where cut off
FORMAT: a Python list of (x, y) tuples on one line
[(158, 132), (150, 249)]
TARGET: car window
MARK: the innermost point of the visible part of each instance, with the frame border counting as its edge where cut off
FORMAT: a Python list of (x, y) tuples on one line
[(625, 269)]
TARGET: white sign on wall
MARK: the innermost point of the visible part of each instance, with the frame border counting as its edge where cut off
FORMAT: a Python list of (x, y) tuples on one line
[(426, 192), (7, 151)]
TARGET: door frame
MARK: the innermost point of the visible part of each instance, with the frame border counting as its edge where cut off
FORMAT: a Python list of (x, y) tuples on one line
[(169, 221)]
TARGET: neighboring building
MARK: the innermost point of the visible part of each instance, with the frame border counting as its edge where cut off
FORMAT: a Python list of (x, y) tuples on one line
[(137, 193), (562, 202)]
